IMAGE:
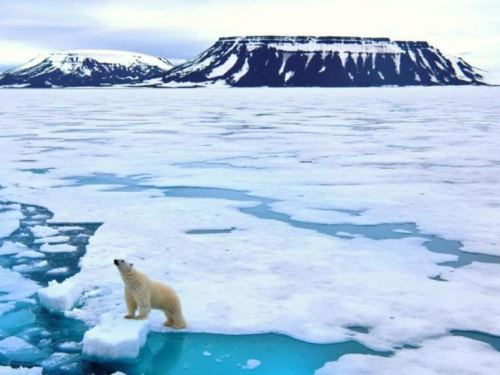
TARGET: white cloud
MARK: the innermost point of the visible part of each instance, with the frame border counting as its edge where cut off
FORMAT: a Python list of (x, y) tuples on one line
[(15, 53)]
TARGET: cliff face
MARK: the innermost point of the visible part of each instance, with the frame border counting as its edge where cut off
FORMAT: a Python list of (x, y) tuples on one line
[(85, 68), (322, 61)]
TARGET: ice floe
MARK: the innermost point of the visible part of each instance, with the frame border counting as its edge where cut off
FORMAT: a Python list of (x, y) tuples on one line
[(16, 349), (394, 156), (10, 248), (115, 339), (60, 296), (441, 356), (62, 248)]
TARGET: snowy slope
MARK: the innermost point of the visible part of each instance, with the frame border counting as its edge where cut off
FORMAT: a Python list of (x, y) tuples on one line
[(322, 61), (86, 68)]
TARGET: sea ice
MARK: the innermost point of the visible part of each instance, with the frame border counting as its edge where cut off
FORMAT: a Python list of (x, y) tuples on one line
[(62, 248), (12, 321), (34, 267), (9, 248), (14, 287), (20, 371), (58, 271), (30, 254), (53, 239), (441, 356), (16, 349), (60, 297), (115, 339), (251, 364), (395, 155), (9, 222), (43, 231)]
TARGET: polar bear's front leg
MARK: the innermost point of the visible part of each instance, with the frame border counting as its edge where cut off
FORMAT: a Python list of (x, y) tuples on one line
[(144, 310), (131, 304), (144, 302)]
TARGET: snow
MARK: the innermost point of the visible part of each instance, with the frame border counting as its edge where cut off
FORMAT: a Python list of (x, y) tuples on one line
[(224, 68), (43, 231), (60, 297), (62, 248), (396, 155), (32, 267), (244, 70), (441, 356), (29, 254), (9, 248), (454, 62), (115, 339), (9, 222), (67, 60), (251, 364), (58, 271), (54, 239)]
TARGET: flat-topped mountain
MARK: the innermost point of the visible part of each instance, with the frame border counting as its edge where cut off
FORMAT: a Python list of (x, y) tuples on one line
[(86, 68), (281, 61)]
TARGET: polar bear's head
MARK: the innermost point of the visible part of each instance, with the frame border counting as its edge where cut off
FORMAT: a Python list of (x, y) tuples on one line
[(123, 265)]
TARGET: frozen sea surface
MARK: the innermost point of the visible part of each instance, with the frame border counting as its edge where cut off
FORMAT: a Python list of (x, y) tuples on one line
[(330, 216)]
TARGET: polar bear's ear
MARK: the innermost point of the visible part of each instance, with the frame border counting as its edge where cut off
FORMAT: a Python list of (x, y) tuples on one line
[(131, 264)]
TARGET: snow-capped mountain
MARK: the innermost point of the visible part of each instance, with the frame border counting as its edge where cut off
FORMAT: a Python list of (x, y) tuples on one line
[(86, 68), (322, 61)]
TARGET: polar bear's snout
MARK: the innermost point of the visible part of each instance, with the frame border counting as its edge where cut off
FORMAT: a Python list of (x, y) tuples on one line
[(116, 262)]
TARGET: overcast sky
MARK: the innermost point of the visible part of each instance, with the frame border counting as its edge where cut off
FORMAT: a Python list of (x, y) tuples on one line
[(184, 28)]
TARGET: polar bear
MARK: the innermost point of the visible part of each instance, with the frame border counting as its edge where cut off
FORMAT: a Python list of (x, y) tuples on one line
[(143, 293)]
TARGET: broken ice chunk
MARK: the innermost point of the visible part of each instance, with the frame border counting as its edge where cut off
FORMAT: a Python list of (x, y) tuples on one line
[(115, 339), (60, 297), (30, 254), (46, 248), (27, 268), (43, 231), (16, 349), (12, 321), (9, 248), (53, 239)]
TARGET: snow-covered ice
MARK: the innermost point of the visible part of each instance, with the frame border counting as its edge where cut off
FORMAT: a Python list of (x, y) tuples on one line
[(427, 156), (31, 267), (10, 248), (441, 356), (53, 239), (115, 339), (61, 248), (60, 296), (43, 231), (58, 271), (29, 254)]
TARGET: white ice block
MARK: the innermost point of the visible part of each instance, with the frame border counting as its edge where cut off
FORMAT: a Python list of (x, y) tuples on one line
[(60, 297), (115, 339)]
